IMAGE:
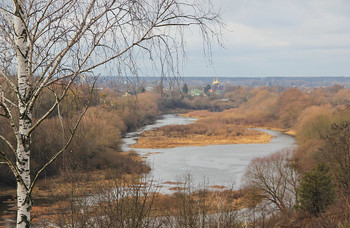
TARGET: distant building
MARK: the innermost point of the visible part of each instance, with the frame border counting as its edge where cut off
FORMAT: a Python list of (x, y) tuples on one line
[(197, 92), (216, 87)]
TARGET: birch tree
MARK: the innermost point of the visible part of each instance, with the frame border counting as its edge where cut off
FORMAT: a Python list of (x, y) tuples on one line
[(46, 43)]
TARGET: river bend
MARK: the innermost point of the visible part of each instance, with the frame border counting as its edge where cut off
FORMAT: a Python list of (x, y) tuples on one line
[(222, 165)]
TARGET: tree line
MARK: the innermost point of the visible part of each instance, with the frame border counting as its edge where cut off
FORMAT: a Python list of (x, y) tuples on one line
[(307, 185), (303, 186)]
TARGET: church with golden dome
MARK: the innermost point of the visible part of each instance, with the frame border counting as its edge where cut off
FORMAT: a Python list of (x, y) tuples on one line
[(216, 86)]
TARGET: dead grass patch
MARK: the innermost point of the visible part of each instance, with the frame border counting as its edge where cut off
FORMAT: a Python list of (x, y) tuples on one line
[(227, 127), (155, 139)]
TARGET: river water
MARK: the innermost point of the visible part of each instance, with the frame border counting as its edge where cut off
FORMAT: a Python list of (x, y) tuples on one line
[(222, 165)]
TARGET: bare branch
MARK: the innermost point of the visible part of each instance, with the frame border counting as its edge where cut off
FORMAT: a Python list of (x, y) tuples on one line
[(64, 147), (55, 42), (58, 100), (57, 60), (2, 11), (36, 34), (12, 167), (8, 36), (8, 143), (8, 115), (4, 99), (12, 85)]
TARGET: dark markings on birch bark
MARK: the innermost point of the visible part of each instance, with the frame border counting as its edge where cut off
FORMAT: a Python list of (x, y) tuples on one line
[(25, 220), (25, 142)]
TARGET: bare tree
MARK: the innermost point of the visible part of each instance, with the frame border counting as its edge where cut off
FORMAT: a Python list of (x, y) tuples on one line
[(276, 179), (44, 44)]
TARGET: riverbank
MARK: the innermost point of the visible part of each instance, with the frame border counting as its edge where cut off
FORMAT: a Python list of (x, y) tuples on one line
[(52, 195), (87, 201)]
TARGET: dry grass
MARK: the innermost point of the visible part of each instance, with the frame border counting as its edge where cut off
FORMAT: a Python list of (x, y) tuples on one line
[(152, 140), (210, 129), (55, 192)]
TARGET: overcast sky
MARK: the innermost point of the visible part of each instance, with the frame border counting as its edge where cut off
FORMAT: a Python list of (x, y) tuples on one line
[(278, 38)]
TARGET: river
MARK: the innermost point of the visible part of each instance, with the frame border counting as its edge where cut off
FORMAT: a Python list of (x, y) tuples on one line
[(222, 165)]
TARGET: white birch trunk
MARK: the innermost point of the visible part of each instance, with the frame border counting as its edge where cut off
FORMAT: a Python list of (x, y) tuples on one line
[(25, 119)]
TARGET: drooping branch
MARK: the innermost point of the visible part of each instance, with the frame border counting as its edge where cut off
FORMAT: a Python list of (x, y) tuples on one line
[(163, 16), (6, 16), (36, 93), (57, 41), (58, 100), (8, 143), (8, 115), (53, 158), (13, 168), (39, 29), (95, 45), (44, 78), (12, 85), (60, 117)]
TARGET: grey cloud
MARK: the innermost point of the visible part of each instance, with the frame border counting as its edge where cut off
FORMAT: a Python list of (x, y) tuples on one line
[(281, 37)]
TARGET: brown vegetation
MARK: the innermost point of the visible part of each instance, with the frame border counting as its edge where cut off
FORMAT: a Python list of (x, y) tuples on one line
[(227, 127), (96, 144), (178, 135), (317, 117), (137, 204)]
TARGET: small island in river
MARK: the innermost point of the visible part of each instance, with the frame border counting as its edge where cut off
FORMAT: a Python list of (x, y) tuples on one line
[(210, 129)]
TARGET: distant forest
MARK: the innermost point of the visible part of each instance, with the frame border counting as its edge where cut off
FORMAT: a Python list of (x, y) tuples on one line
[(306, 82)]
